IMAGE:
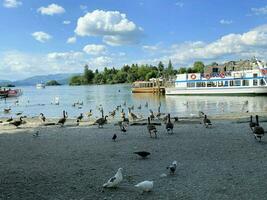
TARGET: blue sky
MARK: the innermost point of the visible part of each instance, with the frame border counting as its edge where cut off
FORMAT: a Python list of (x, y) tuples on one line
[(56, 36)]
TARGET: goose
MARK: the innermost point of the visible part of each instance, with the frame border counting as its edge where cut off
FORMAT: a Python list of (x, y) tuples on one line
[(101, 121), (151, 128), (62, 120), (9, 119), (7, 110), (251, 123), (124, 119), (115, 180), (158, 114), (206, 122), (42, 117), (201, 114), (113, 113), (258, 130), (122, 126), (151, 114), (131, 115), (17, 123), (122, 113), (139, 107), (169, 125)]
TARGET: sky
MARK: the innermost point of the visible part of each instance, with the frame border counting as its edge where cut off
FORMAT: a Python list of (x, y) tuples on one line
[(40, 37)]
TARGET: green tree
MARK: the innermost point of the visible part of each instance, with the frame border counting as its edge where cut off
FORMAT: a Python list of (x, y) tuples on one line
[(169, 70), (51, 83), (76, 80), (182, 70), (88, 75), (160, 67), (198, 67)]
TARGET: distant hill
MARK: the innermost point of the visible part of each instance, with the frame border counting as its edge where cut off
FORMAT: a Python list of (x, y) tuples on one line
[(62, 79)]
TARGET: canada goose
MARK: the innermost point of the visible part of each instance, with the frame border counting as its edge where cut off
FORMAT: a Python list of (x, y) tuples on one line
[(151, 128), (42, 117), (258, 130), (7, 110), (251, 123), (101, 121), (158, 114), (131, 115), (169, 125), (201, 114), (139, 107), (62, 120), (122, 126), (113, 113), (124, 119), (151, 114), (206, 121), (18, 122), (122, 113)]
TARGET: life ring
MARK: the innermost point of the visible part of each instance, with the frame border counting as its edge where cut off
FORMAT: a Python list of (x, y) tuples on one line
[(193, 76), (222, 75), (264, 71), (207, 76)]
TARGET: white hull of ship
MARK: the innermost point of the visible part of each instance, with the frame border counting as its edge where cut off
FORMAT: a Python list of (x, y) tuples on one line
[(217, 91)]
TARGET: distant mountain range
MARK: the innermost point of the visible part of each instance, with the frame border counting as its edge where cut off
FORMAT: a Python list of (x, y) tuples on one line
[(63, 79)]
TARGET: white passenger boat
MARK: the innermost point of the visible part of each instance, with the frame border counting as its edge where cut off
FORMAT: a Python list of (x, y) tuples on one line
[(40, 85), (245, 82)]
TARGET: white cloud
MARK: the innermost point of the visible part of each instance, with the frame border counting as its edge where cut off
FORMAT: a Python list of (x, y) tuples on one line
[(51, 9), (226, 22), (41, 36), (151, 47), (65, 55), (66, 22), (100, 62), (259, 11), (95, 49), (71, 40), (113, 26), (12, 3), (179, 4)]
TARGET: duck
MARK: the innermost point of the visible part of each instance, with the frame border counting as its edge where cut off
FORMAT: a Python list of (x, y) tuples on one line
[(132, 115), (258, 130), (206, 122), (113, 113), (89, 114), (9, 119), (151, 128), (169, 125), (101, 121)]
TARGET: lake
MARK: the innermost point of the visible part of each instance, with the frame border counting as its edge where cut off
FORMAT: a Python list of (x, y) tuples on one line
[(34, 101)]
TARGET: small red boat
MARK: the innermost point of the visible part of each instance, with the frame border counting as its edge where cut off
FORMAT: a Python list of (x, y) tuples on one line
[(4, 93)]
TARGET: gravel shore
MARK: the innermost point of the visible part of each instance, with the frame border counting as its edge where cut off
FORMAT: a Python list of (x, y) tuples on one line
[(73, 162)]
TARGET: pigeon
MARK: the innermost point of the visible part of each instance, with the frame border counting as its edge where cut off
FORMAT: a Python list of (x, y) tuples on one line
[(145, 186), (206, 122), (172, 167), (114, 137), (143, 154), (114, 181)]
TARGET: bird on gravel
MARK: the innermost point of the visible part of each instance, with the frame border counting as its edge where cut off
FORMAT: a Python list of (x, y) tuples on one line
[(145, 186), (206, 122), (36, 134), (63, 120), (172, 167), (115, 180), (151, 128), (17, 123), (251, 123), (101, 121), (122, 126), (258, 130), (42, 117), (169, 125), (114, 137), (143, 154)]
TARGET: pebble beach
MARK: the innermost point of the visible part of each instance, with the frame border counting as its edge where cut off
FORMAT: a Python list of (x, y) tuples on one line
[(73, 162)]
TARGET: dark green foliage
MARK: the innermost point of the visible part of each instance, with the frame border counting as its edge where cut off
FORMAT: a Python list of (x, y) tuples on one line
[(52, 83)]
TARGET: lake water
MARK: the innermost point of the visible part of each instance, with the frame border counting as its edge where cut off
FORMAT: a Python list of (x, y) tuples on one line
[(34, 101)]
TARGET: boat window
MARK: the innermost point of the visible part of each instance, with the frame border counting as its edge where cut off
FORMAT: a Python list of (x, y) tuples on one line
[(245, 82), (191, 84), (201, 84), (220, 83), (255, 82), (225, 83), (211, 84), (231, 83), (215, 70), (262, 82), (237, 83)]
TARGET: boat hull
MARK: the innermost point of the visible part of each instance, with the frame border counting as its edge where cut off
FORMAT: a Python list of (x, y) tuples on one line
[(217, 91), (148, 90)]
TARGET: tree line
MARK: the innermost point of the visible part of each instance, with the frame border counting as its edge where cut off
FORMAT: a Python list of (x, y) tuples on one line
[(129, 74)]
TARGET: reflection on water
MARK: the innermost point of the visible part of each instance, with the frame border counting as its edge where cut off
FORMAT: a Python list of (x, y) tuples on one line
[(33, 101)]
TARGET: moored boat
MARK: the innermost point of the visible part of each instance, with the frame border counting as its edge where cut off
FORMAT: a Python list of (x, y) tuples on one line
[(40, 85), (4, 93), (242, 82), (154, 85)]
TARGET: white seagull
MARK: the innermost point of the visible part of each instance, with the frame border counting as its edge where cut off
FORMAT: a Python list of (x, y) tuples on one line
[(115, 180), (145, 186)]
